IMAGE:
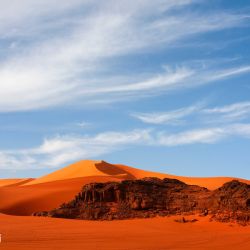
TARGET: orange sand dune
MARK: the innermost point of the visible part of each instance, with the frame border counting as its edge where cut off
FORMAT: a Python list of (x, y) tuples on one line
[(7, 182), (26, 233), (26, 196), (25, 200), (87, 168), (208, 182)]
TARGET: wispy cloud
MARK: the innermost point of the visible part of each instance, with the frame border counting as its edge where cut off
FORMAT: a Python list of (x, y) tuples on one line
[(206, 135), (235, 111), (65, 53), (227, 73), (223, 114), (61, 150), (171, 117)]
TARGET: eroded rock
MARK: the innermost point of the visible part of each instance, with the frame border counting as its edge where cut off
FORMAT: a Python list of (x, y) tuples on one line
[(150, 197)]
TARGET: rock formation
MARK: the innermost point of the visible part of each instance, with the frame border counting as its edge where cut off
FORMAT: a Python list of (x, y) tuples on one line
[(150, 197)]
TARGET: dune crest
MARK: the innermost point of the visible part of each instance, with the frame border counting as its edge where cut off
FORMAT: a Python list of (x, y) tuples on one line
[(91, 168), (207, 182), (84, 168), (11, 182)]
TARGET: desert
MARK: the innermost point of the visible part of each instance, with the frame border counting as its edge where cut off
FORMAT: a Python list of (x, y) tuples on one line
[(124, 125), (20, 199)]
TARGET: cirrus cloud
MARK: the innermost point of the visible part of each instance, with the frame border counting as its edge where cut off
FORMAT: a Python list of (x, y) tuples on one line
[(61, 54)]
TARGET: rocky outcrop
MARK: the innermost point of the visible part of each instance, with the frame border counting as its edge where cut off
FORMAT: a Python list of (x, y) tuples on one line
[(231, 202), (150, 197)]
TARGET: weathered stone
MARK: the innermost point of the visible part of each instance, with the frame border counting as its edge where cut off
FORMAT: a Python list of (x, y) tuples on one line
[(150, 197)]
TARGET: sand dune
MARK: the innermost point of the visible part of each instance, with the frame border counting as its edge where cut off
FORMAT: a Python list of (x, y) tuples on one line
[(208, 182), (25, 196), (38, 233), (85, 168), (7, 182), (25, 200)]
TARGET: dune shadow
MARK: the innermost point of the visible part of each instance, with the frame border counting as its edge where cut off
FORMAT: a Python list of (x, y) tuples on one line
[(113, 170)]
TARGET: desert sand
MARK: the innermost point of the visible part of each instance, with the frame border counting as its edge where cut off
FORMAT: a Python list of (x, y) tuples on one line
[(89, 168), (25, 233), (8, 182), (26, 196)]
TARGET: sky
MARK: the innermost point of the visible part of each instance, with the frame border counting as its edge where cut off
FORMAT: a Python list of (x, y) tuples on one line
[(160, 85)]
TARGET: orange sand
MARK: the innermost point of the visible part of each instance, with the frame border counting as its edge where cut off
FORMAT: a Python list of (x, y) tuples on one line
[(26, 196), (88, 168), (85, 168), (7, 182), (25, 200), (208, 182), (26, 233)]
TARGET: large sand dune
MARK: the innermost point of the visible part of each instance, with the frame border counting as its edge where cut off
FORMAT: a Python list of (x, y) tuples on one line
[(25, 200), (88, 168), (25, 196), (85, 168)]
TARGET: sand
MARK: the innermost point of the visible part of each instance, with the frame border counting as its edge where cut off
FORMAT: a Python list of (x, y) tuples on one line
[(8, 182), (26, 233), (208, 182), (88, 168), (26, 196), (25, 200)]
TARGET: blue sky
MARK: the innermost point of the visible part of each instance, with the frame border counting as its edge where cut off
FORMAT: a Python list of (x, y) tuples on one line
[(161, 85)]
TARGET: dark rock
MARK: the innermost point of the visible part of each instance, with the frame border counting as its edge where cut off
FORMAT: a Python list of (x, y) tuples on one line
[(230, 202), (150, 197)]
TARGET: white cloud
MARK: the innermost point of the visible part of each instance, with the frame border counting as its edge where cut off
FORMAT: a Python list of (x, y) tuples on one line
[(209, 135), (223, 114), (171, 117), (61, 150), (64, 52), (233, 111), (205, 135), (21, 18), (227, 73)]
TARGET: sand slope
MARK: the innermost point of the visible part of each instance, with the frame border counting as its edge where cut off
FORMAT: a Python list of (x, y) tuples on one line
[(88, 168), (8, 182), (25, 200), (25, 196), (26, 233), (208, 182), (85, 168)]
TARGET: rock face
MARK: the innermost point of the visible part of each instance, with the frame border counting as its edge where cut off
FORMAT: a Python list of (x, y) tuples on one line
[(231, 202), (150, 197)]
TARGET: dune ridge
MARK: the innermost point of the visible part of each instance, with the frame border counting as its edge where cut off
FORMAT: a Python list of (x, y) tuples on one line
[(8, 182), (84, 168), (87, 168)]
